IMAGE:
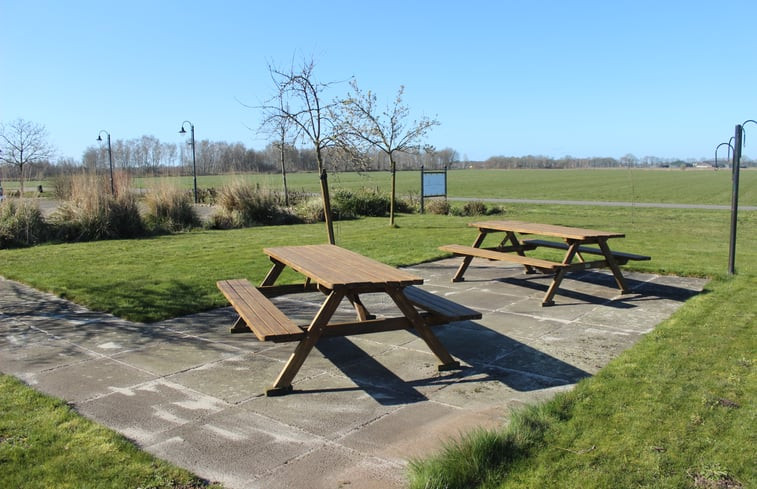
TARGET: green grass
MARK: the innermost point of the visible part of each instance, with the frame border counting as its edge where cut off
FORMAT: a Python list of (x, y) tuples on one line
[(680, 403), (665, 186), (167, 276), (45, 444)]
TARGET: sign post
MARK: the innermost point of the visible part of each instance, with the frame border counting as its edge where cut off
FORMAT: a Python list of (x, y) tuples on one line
[(433, 184)]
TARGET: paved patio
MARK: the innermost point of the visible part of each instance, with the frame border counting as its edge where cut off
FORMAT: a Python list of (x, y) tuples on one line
[(189, 392)]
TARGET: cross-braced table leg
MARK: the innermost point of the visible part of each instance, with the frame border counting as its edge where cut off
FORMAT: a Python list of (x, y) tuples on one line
[(614, 267), (283, 384), (448, 363), (468, 259)]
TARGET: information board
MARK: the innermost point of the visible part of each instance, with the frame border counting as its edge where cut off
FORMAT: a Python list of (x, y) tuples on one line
[(434, 184)]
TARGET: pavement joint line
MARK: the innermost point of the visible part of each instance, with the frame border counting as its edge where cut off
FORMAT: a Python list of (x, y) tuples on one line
[(528, 374)]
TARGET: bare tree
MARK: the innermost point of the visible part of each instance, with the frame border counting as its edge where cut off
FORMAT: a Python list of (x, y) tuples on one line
[(299, 103), (388, 130), (282, 128), (24, 142)]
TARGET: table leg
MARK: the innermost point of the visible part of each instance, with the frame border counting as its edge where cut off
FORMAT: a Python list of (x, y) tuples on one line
[(448, 363), (362, 311), (468, 259), (283, 384), (549, 296), (273, 273), (518, 246), (567, 260), (614, 267)]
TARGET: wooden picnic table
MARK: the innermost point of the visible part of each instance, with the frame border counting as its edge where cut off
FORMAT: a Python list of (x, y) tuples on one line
[(573, 240), (338, 273)]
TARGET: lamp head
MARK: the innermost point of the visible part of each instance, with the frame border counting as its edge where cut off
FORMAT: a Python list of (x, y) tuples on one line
[(182, 130), (99, 138)]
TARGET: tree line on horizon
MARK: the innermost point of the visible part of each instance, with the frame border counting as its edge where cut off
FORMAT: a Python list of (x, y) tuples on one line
[(148, 156)]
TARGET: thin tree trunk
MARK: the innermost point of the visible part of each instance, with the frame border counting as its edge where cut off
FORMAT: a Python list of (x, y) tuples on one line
[(327, 207), (325, 196), (394, 191)]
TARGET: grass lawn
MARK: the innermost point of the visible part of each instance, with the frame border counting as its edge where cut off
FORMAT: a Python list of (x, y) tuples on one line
[(659, 185), (677, 407)]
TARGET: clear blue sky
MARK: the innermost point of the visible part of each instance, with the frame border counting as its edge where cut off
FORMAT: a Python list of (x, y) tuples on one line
[(581, 78)]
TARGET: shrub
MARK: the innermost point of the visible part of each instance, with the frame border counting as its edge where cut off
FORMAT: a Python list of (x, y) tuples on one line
[(21, 224), (92, 213), (246, 205), (311, 210), (363, 202), (474, 208), (207, 195), (222, 220), (170, 209), (437, 206), (62, 187)]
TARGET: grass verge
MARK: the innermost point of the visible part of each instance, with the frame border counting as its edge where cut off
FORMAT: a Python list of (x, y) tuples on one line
[(675, 411), (45, 444)]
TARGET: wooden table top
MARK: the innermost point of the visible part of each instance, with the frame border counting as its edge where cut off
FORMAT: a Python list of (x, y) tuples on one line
[(564, 232), (333, 266)]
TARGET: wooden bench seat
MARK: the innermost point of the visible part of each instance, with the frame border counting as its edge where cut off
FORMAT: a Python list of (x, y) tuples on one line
[(492, 254), (258, 313), (446, 310), (619, 256)]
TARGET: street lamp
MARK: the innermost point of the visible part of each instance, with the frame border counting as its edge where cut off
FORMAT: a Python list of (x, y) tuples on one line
[(110, 159), (194, 162)]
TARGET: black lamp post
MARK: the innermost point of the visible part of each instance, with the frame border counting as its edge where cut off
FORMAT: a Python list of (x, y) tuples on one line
[(738, 143), (110, 160), (194, 162)]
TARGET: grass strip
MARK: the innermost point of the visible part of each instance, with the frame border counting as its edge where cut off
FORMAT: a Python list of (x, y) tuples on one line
[(168, 276), (676, 410), (45, 444)]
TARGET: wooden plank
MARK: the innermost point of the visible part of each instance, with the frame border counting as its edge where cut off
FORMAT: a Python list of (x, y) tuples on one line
[(586, 249), (564, 232), (441, 306), (260, 314), (277, 290), (498, 255), (332, 266)]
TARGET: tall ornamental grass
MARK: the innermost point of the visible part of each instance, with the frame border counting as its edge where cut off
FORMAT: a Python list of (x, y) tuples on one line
[(244, 205), (21, 223), (92, 212), (170, 209)]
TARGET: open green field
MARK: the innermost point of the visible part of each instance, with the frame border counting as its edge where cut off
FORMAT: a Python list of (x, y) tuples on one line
[(692, 186), (677, 408)]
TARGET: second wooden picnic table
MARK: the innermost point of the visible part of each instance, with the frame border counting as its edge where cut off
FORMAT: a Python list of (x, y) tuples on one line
[(338, 273), (573, 240)]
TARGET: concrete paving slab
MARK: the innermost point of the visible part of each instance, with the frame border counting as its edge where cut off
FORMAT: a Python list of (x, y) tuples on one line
[(175, 353), (143, 412), (237, 378), (190, 392), (226, 445), (89, 379), (333, 467), (37, 352)]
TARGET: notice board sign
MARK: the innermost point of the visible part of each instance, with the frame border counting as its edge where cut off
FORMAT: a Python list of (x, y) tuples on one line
[(433, 184)]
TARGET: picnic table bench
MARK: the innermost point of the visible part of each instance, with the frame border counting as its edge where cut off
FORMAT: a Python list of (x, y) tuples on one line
[(337, 273), (574, 241)]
